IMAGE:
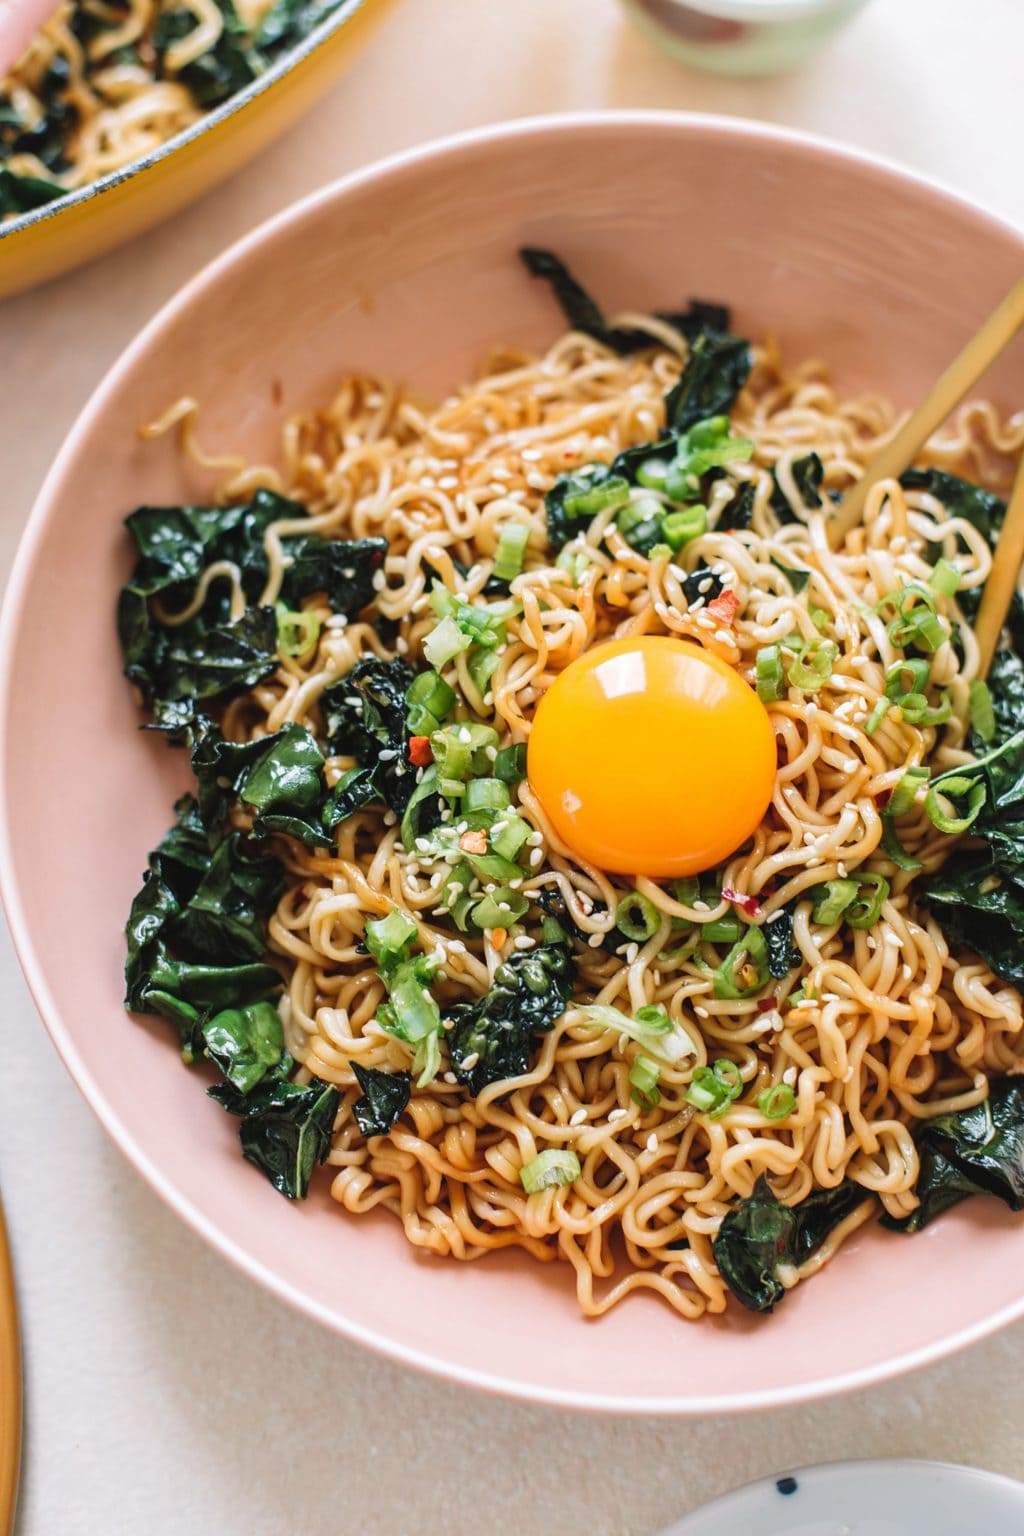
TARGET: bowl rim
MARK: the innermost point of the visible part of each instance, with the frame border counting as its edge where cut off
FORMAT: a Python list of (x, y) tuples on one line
[(11, 613), (203, 124)]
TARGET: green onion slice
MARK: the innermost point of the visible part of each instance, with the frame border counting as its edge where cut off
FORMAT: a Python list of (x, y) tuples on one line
[(776, 1102), (652, 1028), (678, 528), (638, 918), (643, 1077), (548, 1169), (744, 971), (511, 550), (771, 683), (979, 710), (903, 796), (510, 763), (895, 850), (950, 787), (945, 579), (297, 631), (813, 667), (714, 1089), (866, 907), (833, 899)]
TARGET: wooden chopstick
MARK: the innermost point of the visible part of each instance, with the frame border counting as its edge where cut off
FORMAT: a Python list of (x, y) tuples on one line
[(10, 1388), (1003, 577), (965, 370)]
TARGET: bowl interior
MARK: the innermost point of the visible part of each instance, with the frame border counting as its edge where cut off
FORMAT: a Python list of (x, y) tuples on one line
[(410, 270)]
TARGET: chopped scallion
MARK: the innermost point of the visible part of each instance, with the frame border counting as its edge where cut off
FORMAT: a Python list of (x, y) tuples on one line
[(813, 667), (979, 710), (832, 901), (297, 631), (776, 1102), (643, 1077), (638, 918), (771, 684), (510, 763), (950, 787), (714, 1089), (549, 1169), (511, 550), (945, 579)]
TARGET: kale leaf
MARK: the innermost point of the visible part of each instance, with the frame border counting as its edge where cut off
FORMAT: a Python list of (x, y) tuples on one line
[(20, 194), (194, 929), (286, 1129), (531, 990), (563, 523), (247, 1044), (178, 667), (582, 313), (978, 894), (761, 1236), (703, 583), (384, 1096), (715, 371), (289, 21), (975, 1151), (365, 718), (783, 954), (221, 70), (286, 788), (983, 509), (808, 473)]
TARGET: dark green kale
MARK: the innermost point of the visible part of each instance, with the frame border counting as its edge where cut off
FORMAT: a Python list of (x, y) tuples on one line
[(223, 69), (702, 585), (808, 473), (384, 1096), (553, 904), (715, 371), (574, 500), (1006, 690), (365, 718), (280, 777), (286, 1128), (285, 786), (181, 668), (983, 509), (761, 1236), (495, 1034), (173, 967), (20, 194), (783, 955), (978, 894), (582, 313), (247, 1044), (289, 21), (978, 1151), (797, 579)]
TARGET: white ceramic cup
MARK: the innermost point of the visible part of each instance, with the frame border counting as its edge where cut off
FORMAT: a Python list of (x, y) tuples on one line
[(742, 37)]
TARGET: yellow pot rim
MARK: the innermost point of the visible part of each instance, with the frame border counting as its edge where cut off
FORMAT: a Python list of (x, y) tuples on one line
[(206, 124)]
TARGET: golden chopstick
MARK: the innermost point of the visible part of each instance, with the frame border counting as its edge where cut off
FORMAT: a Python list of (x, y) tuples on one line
[(965, 370)]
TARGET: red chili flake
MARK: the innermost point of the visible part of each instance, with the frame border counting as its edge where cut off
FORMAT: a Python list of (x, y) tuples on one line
[(748, 904), (882, 798), (724, 607), (419, 751), (766, 1004)]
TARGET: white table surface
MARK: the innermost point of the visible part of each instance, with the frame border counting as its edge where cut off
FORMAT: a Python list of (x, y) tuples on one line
[(166, 1394)]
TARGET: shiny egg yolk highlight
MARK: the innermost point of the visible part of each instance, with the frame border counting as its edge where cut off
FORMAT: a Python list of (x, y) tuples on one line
[(650, 756)]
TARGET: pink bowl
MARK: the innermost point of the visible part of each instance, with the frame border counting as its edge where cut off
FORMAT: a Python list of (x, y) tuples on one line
[(409, 268)]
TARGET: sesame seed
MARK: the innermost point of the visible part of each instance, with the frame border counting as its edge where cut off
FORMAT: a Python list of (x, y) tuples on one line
[(652, 1142), (701, 1013), (617, 1114), (470, 1061), (523, 941), (789, 1076), (378, 581), (595, 940), (449, 1077), (536, 857), (577, 1117)]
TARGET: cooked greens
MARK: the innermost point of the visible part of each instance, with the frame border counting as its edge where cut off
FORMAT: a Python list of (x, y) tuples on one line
[(74, 74), (384, 1096), (977, 1151), (761, 1240), (491, 1039)]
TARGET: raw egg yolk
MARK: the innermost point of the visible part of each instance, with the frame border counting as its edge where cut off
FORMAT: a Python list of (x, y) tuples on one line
[(650, 756)]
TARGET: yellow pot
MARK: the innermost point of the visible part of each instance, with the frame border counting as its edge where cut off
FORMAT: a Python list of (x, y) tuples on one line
[(50, 240)]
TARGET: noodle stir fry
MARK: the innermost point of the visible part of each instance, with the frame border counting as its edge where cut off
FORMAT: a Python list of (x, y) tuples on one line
[(372, 922)]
